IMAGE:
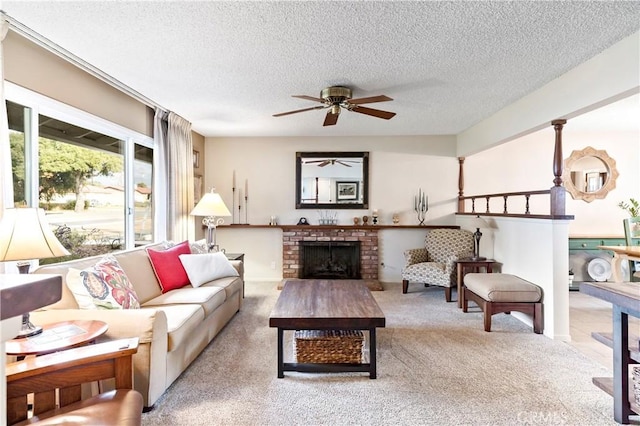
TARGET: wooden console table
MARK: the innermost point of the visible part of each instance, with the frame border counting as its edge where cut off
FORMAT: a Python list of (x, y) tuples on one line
[(625, 298), (621, 253)]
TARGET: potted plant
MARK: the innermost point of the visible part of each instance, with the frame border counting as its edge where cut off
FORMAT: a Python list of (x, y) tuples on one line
[(632, 207)]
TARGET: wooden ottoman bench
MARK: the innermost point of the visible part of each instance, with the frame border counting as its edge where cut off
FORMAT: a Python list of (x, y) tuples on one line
[(496, 293)]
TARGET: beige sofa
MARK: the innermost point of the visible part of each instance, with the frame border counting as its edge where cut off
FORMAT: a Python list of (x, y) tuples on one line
[(173, 328)]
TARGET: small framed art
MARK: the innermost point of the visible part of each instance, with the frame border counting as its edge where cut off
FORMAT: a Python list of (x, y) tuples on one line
[(196, 159), (346, 191)]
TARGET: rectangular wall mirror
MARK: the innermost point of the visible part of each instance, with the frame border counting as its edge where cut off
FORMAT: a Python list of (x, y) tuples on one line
[(332, 180)]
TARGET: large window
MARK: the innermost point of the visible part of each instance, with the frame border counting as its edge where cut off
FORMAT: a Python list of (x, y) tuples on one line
[(93, 178)]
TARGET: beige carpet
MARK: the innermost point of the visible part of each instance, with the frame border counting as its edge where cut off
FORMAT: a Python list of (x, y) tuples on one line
[(436, 366)]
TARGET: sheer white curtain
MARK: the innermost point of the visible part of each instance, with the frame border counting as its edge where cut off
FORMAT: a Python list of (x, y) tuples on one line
[(160, 175), (175, 150), (6, 177), (6, 196)]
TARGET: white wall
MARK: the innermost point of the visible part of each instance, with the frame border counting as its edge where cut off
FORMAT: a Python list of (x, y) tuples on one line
[(526, 248), (398, 167)]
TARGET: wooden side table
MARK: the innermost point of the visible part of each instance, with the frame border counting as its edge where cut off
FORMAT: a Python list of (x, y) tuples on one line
[(56, 337), (475, 266)]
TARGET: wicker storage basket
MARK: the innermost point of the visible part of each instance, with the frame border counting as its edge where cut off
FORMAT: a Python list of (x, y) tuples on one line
[(329, 346)]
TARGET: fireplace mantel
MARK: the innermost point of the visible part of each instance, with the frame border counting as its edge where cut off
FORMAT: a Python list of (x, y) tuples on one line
[(368, 227)]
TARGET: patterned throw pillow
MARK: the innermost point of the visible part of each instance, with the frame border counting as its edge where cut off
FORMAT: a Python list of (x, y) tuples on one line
[(199, 247), (102, 286)]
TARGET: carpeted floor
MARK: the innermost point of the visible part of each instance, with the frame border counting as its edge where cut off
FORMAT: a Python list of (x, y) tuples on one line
[(436, 366)]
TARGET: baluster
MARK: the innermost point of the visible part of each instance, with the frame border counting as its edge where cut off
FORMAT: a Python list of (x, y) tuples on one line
[(461, 185), (526, 210), (487, 204), (558, 192), (505, 204), (473, 205)]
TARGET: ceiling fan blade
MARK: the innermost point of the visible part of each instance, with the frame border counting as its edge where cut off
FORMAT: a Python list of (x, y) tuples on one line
[(370, 100), (309, 98), (343, 163), (298, 110), (374, 112), (324, 163), (330, 119)]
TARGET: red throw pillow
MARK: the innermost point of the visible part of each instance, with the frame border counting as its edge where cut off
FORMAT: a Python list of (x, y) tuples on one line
[(168, 268)]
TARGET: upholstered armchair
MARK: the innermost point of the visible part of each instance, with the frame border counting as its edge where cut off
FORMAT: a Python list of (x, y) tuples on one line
[(435, 264)]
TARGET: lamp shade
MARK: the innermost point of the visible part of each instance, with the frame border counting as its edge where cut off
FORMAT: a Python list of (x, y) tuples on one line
[(25, 235), (210, 204), (478, 222)]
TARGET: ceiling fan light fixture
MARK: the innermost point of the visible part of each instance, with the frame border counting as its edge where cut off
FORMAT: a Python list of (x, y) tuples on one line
[(335, 94), (335, 98)]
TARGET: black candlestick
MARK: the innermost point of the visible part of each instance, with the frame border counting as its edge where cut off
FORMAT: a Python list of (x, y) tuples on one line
[(476, 247), (233, 208), (246, 210)]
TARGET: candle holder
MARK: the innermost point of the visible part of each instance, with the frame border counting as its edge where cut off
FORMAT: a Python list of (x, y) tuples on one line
[(246, 210), (421, 206), (233, 207)]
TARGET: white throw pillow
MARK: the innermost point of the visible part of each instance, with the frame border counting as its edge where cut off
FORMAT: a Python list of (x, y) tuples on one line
[(202, 268)]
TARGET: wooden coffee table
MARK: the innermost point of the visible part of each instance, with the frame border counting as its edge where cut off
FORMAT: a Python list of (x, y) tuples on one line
[(56, 337), (326, 305)]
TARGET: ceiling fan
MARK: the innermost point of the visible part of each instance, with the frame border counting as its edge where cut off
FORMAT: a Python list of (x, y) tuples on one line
[(338, 97), (332, 161)]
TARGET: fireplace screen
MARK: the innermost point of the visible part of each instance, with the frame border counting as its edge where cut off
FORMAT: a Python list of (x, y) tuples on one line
[(330, 259)]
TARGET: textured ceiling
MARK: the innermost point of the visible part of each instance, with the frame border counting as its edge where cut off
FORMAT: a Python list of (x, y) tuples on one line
[(228, 66)]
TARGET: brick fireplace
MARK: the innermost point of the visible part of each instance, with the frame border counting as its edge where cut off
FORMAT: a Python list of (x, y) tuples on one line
[(329, 259), (293, 235)]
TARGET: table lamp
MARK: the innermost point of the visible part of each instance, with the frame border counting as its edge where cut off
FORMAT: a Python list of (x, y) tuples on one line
[(25, 235), (211, 206), (478, 222)]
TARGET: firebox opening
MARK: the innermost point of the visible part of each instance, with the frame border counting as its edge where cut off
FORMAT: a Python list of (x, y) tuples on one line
[(330, 259)]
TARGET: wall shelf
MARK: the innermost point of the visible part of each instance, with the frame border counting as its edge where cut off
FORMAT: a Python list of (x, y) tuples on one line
[(368, 227)]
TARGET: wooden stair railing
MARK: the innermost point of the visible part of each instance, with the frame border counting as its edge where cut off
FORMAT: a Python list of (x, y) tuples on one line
[(556, 194), (505, 196)]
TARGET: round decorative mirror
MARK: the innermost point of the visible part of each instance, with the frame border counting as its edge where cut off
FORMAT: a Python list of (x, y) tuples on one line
[(589, 174)]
